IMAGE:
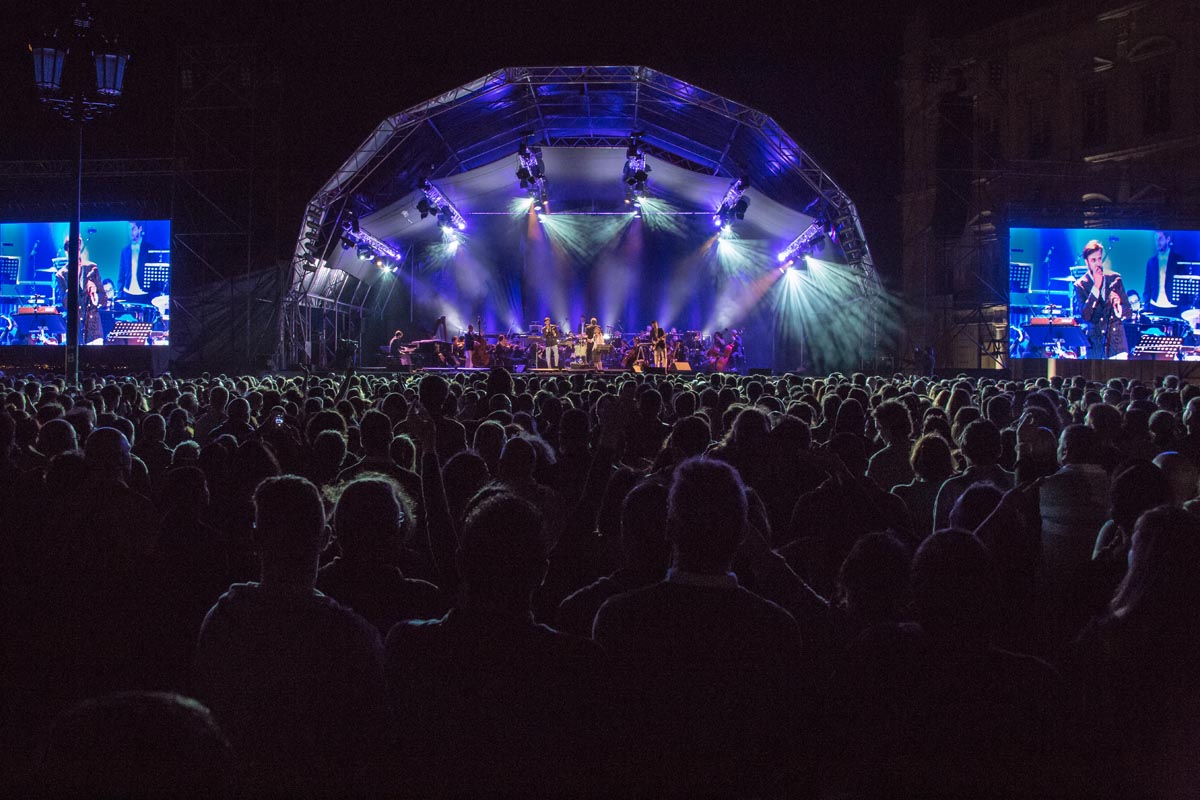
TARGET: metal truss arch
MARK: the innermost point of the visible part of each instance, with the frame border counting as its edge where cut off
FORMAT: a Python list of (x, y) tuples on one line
[(579, 106)]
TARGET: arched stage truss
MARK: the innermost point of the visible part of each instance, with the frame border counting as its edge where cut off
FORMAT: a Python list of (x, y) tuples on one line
[(484, 122)]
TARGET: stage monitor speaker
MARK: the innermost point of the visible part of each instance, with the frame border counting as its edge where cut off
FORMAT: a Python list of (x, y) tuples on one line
[(759, 371), (683, 366), (637, 368)]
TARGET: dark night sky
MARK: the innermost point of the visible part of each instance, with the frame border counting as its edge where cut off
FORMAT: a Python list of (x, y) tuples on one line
[(826, 72)]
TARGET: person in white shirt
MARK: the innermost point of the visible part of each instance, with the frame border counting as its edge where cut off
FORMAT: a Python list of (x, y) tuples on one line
[(1161, 269), (132, 281)]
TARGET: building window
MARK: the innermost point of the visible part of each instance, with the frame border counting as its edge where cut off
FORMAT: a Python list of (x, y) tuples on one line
[(1095, 116), (1040, 139), (1156, 102)]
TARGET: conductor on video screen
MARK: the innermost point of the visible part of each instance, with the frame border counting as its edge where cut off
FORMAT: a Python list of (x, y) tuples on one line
[(133, 283), (1161, 269)]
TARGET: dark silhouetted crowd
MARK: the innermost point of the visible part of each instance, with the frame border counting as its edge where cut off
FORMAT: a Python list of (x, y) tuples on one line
[(489, 584)]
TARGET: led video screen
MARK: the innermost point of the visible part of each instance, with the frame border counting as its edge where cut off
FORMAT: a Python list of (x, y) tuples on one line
[(124, 283), (1099, 293)]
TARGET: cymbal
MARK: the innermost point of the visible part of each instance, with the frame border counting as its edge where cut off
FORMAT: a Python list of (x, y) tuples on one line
[(47, 269), (1064, 280)]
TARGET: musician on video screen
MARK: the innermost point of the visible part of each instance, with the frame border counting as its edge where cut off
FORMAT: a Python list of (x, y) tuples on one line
[(132, 281), (1100, 296), (1161, 269)]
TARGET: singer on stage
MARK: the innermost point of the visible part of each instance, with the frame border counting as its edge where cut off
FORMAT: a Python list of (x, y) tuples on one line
[(550, 334), (1104, 305)]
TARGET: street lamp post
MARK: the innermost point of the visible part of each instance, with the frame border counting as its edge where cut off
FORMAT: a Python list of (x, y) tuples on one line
[(63, 71)]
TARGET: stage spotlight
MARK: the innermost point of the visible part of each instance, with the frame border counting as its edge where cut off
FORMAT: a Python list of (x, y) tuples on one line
[(802, 242), (531, 170), (369, 248), (733, 204), (434, 202), (636, 172)]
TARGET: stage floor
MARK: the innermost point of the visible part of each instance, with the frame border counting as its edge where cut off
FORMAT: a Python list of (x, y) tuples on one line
[(521, 369)]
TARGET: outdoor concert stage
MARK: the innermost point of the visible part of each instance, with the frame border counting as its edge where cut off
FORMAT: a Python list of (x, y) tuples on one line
[(618, 193), (540, 372)]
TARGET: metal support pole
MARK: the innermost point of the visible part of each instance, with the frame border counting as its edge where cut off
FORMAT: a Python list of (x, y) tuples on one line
[(73, 246)]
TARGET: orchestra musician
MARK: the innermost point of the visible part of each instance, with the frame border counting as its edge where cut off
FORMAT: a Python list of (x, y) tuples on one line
[(396, 345), (658, 343), (1100, 295), (503, 352), (550, 334), (718, 353), (132, 280), (1161, 270), (738, 354), (469, 342)]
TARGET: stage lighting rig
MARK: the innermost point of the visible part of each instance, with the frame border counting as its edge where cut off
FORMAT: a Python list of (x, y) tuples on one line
[(636, 172), (733, 204), (531, 172), (435, 203), (802, 243), (370, 248)]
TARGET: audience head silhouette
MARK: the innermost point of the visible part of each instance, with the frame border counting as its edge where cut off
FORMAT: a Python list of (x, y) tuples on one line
[(706, 516)]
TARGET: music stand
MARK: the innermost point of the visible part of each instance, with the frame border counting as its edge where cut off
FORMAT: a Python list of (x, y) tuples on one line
[(123, 329), (1184, 286), (1019, 275), (157, 272), (1157, 348), (51, 321), (9, 267)]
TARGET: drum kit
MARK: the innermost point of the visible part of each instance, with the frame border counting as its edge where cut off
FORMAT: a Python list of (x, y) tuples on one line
[(1041, 323), (155, 311)]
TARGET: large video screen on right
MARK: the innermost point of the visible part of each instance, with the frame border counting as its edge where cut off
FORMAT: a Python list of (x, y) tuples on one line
[(1100, 293)]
